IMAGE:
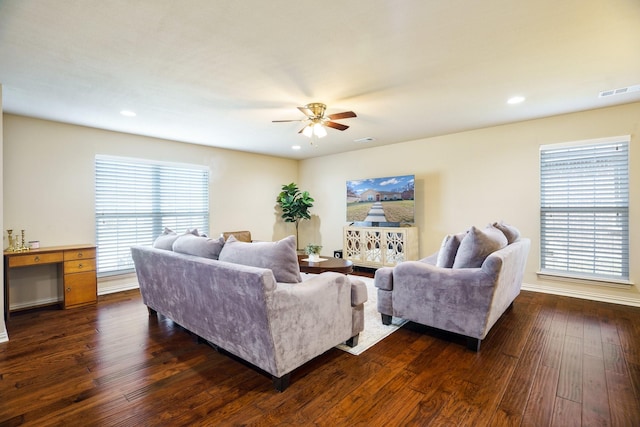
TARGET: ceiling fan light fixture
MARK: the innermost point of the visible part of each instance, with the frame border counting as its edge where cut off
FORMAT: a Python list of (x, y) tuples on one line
[(308, 131), (319, 130)]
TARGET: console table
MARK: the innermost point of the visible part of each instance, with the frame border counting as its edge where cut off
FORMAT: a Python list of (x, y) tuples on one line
[(76, 271), (380, 246)]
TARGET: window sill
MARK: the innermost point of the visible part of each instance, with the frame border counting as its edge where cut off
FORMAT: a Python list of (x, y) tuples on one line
[(564, 277)]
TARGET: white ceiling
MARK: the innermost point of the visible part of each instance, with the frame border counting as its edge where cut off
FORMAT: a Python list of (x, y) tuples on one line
[(217, 72)]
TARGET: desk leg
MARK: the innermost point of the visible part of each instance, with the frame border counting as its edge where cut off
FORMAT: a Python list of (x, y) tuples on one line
[(7, 299)]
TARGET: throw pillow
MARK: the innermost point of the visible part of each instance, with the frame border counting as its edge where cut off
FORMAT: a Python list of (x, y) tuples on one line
[(199, 246), (477, 245), (448, 250), (165, 240), (281, 257), (511, 233)]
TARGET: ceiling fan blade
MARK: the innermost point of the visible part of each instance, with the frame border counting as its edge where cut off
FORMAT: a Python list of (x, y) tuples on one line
[(345, 115), (335, 125), (306, 111)]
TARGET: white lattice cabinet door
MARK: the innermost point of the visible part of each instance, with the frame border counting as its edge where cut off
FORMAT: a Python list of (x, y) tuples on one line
[(380, 246)]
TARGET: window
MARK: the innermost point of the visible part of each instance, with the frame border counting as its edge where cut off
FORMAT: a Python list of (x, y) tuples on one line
[(584, 209), (136, 199)]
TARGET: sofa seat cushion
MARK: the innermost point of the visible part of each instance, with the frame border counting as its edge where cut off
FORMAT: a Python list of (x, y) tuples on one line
[(199, 246), (477, 245), (280, 257)]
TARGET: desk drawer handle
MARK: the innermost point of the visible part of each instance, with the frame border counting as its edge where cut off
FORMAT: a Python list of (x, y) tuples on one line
[(80, 265), (36, 259), (68, 289), (79, 254)]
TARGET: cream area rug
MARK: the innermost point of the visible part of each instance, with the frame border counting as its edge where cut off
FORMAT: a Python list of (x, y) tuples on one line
[(374, 330)]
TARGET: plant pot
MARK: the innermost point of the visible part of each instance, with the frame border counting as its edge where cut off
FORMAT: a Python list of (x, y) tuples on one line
[(314, 257)]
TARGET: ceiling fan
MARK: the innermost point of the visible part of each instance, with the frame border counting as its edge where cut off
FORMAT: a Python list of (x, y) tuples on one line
[(317, 120)]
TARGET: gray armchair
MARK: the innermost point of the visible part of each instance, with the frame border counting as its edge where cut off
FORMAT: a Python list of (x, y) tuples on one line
[(466, 301)]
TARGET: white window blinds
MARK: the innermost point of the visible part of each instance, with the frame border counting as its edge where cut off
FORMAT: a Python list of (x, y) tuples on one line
[(136, 199), (584, 208)]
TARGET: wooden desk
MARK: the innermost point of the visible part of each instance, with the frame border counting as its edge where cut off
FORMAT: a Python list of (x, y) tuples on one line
[(76, 270)]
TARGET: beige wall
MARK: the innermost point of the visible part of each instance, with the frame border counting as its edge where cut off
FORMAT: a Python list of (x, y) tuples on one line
[(469, 178), (3, 329), (473, 178), (49, 186)]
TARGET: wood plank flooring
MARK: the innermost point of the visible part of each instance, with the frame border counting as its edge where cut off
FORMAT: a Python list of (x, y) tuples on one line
[(550, 361)]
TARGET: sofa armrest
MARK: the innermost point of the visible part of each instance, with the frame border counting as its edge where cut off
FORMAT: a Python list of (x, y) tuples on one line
[(359, 294), (383, 278), (308, 318)]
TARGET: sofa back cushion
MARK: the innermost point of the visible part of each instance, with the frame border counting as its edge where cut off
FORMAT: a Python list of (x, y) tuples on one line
[(477, 245), (165, 240), (199, 246), (280, 257)]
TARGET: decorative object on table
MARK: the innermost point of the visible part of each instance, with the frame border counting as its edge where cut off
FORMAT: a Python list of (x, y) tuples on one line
[(313, 251), (16, 245), (295, 205)]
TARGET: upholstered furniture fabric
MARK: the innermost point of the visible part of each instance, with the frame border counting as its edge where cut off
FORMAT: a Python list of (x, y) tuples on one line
[(466, 301), (448, 250), (273, 325), (477, 244), (280, 257), (511, 233), (165, 240), (198, 246)]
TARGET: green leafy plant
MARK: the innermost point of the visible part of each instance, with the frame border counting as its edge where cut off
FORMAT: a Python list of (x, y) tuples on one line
[(313, 249), (295, 205)]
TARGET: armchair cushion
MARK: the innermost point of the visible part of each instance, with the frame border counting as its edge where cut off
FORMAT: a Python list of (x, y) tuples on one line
[(280, 257), (511, 233), (448, 250), (477, 245)]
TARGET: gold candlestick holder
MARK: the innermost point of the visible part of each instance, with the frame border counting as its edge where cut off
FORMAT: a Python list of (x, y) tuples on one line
[(14, 244)]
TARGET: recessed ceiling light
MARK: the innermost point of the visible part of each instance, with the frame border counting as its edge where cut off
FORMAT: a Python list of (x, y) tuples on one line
[(295, 147), (365, 139), (128, 113), (515, 100)]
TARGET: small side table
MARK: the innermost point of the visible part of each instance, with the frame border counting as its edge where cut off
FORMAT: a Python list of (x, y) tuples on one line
[(338, 265)]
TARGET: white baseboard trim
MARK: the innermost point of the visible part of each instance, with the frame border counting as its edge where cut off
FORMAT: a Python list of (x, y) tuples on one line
[(35, 303), (4, 337), (592, 296), (118, 288)]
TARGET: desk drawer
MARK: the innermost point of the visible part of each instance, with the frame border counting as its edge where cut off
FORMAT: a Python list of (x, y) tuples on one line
[(35, 259), (78, 266), (80, 254)]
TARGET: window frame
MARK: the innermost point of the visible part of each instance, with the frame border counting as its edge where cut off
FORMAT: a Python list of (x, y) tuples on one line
[(615, 205), (140, 197)]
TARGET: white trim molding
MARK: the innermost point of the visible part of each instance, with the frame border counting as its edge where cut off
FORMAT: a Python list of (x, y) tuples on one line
[(588, 295)]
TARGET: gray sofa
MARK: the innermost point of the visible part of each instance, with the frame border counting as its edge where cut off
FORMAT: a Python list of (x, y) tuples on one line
[(245, 310), (464, 288)]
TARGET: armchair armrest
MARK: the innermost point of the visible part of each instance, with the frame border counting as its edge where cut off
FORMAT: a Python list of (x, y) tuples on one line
[(383, 278)]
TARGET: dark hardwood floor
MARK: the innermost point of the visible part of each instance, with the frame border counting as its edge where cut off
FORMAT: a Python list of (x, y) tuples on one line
[(549, 361)]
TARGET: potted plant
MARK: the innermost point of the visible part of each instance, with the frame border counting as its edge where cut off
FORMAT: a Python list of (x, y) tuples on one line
[(295, 205), (313, 251)]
